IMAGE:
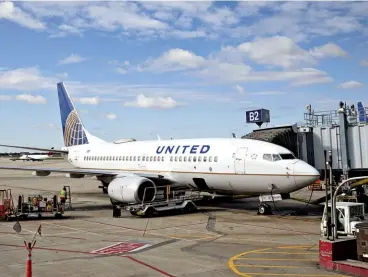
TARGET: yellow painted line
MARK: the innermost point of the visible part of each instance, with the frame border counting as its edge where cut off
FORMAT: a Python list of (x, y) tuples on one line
[(190, 237), (233, 267), (271, 266), (296, 246)]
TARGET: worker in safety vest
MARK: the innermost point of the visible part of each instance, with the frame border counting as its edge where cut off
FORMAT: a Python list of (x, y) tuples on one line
[(63, 195)]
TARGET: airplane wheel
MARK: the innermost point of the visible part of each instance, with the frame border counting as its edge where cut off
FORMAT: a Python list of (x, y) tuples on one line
[(264, 209)]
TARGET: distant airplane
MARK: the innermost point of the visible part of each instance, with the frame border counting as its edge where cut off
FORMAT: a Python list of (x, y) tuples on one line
[(129, 169), (34, 157)]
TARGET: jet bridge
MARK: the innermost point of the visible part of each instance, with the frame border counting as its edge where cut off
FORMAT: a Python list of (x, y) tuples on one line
[(285, 136)]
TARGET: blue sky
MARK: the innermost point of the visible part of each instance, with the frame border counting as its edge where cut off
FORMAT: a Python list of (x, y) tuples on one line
[(177, 69)]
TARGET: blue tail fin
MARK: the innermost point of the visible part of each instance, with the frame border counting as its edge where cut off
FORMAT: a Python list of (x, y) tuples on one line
[(73, 130)]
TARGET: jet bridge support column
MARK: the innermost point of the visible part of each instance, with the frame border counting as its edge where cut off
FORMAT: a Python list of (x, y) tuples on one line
[(344, 144)]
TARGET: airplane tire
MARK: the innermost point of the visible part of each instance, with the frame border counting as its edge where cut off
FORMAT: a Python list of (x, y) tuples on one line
[(264, 209)]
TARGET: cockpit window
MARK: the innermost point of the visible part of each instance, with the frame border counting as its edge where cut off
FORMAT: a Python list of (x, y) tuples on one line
[(276, 157), (287, 156), (267, 157)]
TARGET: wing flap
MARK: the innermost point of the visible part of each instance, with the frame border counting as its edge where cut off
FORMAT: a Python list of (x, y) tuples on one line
[(86, 171), (36, 148)]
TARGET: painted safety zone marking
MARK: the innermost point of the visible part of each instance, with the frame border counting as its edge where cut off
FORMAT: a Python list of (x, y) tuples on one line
[(121, 247)]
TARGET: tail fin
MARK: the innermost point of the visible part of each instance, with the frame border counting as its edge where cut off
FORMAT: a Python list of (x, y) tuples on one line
[(73, 130)]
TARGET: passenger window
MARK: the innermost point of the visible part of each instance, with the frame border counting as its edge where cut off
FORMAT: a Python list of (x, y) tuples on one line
[(267, 157), (154, 158), (210, 159), (199, 159), (205, 159), (185, 158), (180, 159), (189, 159), (215, 159), (276, 157), (194, 159), (131, 158), (176, 158), (151, 159), (138, 158), (143, 159), (171, 159), (134, 158), (162, 159)]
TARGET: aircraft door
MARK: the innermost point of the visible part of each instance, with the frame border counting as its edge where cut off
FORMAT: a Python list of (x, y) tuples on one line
[(239, 160)]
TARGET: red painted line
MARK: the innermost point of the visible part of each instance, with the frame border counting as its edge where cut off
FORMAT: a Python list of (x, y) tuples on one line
[(149, 266), (88, 253)]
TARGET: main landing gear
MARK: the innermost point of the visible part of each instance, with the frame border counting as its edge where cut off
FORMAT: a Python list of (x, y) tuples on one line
[(104, 187), (264, 209)]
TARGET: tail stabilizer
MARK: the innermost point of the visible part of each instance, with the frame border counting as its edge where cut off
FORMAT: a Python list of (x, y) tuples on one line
[(74, 131)]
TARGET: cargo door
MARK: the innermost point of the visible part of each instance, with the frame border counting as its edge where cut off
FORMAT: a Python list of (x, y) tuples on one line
[(239, 160)]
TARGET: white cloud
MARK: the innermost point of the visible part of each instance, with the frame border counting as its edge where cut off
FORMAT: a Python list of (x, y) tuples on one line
[(73, 58), (110, 116), (10, 12), (157, 102), (276, 51), (88, 100), (25, 79), (173, 60), (350, 85), (5, 97), (239, 89), (31, 99), (364, 62), (328, 50), (227, 66), (47, 126)]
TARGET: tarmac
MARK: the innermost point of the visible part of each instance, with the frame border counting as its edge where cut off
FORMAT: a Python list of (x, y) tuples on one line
[(224, 238)]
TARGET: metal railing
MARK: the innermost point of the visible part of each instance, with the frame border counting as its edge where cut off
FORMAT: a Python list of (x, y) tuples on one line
[(331, 117)]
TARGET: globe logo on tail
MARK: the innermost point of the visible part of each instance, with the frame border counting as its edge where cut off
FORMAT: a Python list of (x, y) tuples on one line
[(74, 133)]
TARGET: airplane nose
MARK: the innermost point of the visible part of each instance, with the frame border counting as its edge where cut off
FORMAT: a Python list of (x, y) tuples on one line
[(305, 174)]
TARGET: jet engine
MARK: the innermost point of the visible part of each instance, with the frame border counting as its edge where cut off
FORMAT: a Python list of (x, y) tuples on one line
[(132, 189)]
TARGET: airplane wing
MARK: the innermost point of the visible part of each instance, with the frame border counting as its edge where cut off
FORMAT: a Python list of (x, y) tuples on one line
[(36, 148), (91, 172)]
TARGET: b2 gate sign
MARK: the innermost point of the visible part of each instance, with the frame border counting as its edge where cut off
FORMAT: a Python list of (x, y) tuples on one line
[(257, 116)]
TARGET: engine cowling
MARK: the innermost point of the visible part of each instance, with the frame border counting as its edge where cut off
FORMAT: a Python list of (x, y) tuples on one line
[(131, 189)]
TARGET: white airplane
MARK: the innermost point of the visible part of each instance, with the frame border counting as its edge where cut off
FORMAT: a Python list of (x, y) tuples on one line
[(223, 166), (34, 158)]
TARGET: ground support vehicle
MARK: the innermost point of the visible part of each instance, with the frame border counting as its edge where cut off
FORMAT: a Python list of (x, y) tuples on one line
[(165, 201)]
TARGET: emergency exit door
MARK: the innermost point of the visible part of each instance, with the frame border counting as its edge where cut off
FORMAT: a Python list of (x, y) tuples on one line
[(239, 161)]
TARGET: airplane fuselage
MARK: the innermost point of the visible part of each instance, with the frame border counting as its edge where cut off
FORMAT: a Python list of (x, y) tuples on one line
[(227, 166)]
